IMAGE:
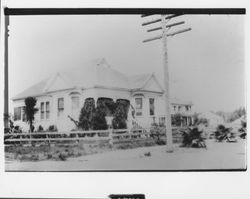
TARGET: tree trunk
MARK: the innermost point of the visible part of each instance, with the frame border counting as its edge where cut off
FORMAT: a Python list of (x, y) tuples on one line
[(31, 127)]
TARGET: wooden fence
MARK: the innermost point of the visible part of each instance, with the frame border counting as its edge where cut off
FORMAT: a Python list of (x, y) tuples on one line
[(111, 135)]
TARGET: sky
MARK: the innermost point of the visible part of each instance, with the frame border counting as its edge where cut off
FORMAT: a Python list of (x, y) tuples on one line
[(206, 64)]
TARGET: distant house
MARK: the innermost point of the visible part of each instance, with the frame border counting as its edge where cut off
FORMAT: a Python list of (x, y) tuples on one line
[(213, 119), (64, 94)]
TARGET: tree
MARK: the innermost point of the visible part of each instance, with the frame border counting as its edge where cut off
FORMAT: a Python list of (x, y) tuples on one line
[(30, 111), (87, 114), (238, 113), (110, 105), (199, 120), (99, 121), (121, 114)]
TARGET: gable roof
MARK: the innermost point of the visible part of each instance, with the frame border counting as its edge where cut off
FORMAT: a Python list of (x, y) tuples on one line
[(95, 74), (138, 81), (35, 90)]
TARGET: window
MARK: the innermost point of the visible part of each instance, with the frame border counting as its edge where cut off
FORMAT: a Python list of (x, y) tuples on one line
[(161, 120), (60, 107), (138, 106), (174, 108), (179, 108), (151, 106), (47, 110), (42, 110), (17, 113), (187, 108), (75, 106), (75, 103), (24, 118)]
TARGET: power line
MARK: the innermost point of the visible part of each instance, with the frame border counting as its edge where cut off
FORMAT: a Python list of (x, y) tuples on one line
[(164, 36)]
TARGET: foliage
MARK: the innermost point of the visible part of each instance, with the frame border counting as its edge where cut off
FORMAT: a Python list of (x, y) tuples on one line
[(237, 114), (87, 114), (40, 128), (73, 120), (192, 137), (243, 130), (52, 128), (12, 128), (198, 120), (30, 110), (99, 121), (222, 133), (121, 114), (92, 117), (176, 119), (157, 132), (109, 104), (231, 116)]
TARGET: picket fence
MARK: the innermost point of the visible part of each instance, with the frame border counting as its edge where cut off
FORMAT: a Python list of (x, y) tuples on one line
[(111, 135)]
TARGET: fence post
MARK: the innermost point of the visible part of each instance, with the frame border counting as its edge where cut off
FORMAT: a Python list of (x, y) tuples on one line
[(111, 136), (30, 138), (130, 133), (47, 137)]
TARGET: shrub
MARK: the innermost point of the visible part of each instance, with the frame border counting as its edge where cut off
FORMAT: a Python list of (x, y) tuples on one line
[(242, 130), (176, 119), (52, 128), (193, 138), (87, 114), (221, 133), (157, 132), (40, 128), (120, 114), (63, 156)]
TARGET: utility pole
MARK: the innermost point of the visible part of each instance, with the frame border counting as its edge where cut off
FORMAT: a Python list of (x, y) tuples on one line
[(164, 36)]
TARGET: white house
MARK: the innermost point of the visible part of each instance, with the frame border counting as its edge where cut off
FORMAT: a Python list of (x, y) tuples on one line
[(64, 94)]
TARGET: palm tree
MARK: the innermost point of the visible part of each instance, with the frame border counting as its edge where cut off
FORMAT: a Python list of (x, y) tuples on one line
[(30, 110)]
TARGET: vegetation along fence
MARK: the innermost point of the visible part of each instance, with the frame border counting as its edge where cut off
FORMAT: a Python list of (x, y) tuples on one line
[(110, 135)]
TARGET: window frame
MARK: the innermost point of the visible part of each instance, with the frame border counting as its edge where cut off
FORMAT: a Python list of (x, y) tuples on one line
[(60, 110), (17, 117), (47, 110), (42, 112), (138, 110), (72, 106), (24, 117), (153, 106)]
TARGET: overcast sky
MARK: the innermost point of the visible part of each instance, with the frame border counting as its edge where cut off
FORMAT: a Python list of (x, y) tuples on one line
[(206, 64)]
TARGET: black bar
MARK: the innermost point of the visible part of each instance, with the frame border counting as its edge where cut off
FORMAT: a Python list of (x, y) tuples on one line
[(145, 15), (126, 196), (119, 11)]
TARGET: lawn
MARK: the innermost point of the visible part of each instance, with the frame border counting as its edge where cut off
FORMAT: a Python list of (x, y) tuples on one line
[(217, 156)]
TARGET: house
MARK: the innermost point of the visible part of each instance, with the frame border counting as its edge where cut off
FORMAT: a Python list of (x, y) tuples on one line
[(64, 94), (213, 119)]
